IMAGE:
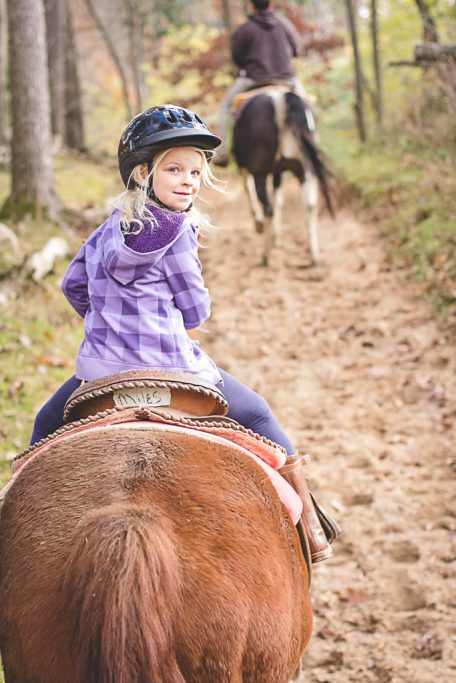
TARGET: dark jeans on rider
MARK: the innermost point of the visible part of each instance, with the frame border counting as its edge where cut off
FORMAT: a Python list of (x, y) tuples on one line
[(245, 406), (50, 416), (253, 411)]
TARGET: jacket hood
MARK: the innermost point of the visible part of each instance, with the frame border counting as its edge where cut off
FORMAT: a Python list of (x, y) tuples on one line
[(264, 18), (125, 264)]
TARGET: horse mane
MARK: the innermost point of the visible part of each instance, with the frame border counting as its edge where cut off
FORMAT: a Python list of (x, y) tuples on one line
[(124, 563)]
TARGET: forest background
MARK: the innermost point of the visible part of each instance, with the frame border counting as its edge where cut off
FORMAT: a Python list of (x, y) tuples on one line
[(386, 120)]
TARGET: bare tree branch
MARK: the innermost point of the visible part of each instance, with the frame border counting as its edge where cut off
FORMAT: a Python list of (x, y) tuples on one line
[(359, 105), (429, 28), (112, 51)]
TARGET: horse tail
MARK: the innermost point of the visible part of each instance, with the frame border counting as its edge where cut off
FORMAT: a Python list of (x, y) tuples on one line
[(300, 118), (123, 586)]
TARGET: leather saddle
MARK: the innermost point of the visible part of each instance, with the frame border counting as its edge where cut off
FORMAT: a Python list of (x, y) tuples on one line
[(241, 99), (162, 397), (270, 88), (173, 392)]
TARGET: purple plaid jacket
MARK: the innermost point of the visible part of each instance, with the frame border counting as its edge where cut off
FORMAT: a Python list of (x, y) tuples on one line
[(138, 294)]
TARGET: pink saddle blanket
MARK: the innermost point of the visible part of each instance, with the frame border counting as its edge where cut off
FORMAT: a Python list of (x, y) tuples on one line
[(267, 455)]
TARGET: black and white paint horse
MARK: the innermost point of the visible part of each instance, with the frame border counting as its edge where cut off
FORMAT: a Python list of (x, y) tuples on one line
[(275, 132)]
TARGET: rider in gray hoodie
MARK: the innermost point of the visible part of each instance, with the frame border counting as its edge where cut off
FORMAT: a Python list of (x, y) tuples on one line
[(263, 48)]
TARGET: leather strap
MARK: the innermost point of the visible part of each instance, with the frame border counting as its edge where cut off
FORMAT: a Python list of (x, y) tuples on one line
[(295, 463)]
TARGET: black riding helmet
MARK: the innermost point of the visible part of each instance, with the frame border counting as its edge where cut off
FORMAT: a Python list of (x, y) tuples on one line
[(159, 128)]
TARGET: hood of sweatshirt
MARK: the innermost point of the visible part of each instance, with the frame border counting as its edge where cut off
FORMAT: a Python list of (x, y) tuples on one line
[(264, 18), (125, 263)]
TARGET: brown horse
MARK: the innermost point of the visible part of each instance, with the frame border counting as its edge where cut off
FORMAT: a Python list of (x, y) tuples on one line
[(135, 556)]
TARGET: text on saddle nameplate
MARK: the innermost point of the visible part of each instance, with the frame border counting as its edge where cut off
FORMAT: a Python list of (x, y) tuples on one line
[(142, 397)]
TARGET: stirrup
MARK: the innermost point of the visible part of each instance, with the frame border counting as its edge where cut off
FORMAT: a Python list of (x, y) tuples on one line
[(329, 525), (316, 527)]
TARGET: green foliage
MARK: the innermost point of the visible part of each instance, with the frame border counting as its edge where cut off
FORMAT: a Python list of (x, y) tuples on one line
[(408, 190), (167, 15), (107, 117), (194, 64), (192, 67), (82, 183), (404, 177), (37, 352)]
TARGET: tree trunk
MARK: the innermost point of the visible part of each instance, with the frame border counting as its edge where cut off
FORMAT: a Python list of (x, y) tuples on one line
[(55, 12), (227, 19), (136, 52), (429, 28), (3, 43), (74, 122), (377, 64), (113, 54), (190, 14), (153, 34), (359, 105), (33, 186)]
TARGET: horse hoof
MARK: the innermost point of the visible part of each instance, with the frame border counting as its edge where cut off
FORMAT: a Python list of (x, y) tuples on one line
[(316, 273), (259, 227)]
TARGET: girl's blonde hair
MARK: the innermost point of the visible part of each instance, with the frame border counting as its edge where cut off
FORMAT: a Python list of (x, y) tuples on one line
[(133, 203)]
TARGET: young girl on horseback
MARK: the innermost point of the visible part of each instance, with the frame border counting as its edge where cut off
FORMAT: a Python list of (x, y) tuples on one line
[(137, 281)]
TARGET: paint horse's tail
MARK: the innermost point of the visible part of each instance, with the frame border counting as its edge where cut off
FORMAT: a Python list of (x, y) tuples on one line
[(299, 117), (123, 587)]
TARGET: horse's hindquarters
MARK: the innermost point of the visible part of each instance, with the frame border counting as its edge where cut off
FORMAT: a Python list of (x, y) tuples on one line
[(99, 527)]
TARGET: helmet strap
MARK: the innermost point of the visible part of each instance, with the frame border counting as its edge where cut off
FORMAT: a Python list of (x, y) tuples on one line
[(151, 194)]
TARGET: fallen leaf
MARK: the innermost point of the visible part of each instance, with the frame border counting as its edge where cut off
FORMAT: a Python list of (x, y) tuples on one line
[(51, 361), (14, 389), (326, 633), (25, 341), (355, 596)]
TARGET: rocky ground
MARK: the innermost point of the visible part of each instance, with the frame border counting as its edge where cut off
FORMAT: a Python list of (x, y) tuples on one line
[(355, 366)]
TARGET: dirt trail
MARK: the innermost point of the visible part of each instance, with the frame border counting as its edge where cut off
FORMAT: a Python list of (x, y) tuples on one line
[(359, 374)]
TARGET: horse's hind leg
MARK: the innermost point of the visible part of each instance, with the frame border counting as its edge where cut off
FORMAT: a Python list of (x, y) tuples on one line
[(269, 239), (278, 205), (255, 206), (268, 212), (310, 199)]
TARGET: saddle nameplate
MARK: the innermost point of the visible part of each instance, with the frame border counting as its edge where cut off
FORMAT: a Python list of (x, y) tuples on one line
[(139, 397)]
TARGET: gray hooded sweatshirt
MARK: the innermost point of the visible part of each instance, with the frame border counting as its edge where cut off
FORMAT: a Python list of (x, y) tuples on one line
[(264, 47)]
